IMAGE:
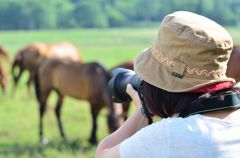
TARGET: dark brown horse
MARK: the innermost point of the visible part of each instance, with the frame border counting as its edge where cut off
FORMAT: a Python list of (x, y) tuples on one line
[(3, 74), (125, 106), (32, 55), (233, 69), (81, 81)]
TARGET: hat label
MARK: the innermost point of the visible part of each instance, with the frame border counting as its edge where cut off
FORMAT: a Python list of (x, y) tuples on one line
[(177, 75), (178, 69)]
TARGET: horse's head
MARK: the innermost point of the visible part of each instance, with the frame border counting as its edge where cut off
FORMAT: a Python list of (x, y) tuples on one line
[(115, 119), (114, 122)]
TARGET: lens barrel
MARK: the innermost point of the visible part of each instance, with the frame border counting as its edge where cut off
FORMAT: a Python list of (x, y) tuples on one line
[(118, 84)]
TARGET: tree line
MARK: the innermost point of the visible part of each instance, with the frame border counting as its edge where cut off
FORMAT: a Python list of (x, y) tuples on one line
[(51, 14)]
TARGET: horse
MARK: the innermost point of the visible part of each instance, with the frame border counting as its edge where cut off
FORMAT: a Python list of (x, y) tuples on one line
[(123, 108), (3, 74), (33, 54), (234, 64), (83, 81)]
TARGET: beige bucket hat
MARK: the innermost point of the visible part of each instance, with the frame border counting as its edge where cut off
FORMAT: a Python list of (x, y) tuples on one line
[(190, 52)]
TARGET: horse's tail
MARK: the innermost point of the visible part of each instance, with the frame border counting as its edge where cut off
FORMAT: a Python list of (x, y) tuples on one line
[(14, 65), (36, 83), (108, 75), (17, 63)]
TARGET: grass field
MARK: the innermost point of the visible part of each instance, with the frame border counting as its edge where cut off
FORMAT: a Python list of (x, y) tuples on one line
[(19, 111)]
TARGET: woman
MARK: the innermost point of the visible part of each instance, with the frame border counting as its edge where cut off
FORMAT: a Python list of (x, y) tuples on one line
[(184, 67)]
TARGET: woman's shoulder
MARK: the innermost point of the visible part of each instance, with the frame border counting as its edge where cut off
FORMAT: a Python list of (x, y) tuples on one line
[(178, 120), (195, 123), (178, 123)]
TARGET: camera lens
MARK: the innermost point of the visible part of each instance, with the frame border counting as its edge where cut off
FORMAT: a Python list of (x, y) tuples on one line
[(118, 84)]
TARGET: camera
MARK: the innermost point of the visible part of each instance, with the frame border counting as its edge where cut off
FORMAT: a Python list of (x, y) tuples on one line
[(119, 81)]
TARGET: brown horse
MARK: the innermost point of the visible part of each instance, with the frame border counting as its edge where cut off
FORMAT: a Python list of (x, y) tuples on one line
[(234, 64), (3, 75), (125, 106), (32, 55), (81, 81)]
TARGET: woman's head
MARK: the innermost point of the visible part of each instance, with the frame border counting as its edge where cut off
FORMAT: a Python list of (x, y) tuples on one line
[(190, 52)]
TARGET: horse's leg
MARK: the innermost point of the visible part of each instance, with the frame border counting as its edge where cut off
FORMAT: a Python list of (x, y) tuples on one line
[(16, 78), (58, 115), (125, 110), (95, 109), (42, 110), (2, 86), (30, 80)]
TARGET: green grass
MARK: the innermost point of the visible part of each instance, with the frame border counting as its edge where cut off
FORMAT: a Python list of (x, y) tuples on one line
[(19, 111)]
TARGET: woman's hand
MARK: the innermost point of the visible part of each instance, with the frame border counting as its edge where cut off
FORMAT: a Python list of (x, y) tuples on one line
[(109, 146), (134, 95)]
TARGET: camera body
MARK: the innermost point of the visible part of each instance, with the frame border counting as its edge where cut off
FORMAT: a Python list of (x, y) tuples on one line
[(118, 84)]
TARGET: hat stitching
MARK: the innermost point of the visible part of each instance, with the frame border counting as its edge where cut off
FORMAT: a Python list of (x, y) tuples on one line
[(161, 58), (214, 73), (191, 70)]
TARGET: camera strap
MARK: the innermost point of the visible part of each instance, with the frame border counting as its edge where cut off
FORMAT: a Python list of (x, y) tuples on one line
[(207, 103), (144, 109)]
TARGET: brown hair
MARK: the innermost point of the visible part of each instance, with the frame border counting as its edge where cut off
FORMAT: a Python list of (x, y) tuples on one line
[(165, 104)]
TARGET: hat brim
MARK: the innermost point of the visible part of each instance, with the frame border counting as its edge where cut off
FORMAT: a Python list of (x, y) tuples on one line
[(153, 72)]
